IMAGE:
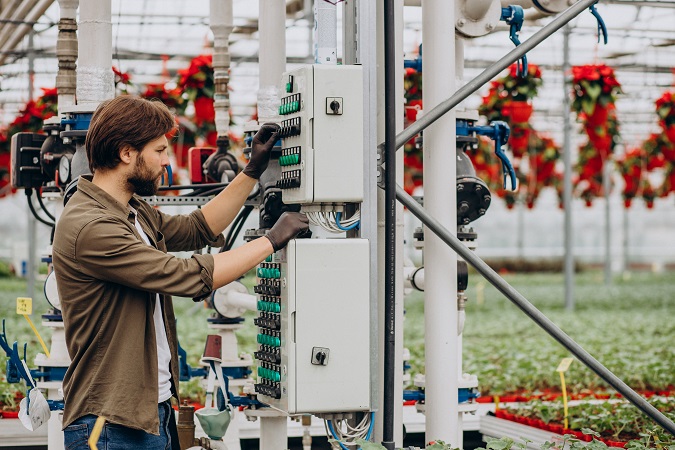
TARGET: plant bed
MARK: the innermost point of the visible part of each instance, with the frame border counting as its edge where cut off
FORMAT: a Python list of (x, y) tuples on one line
[(615, 422), (554, 394)]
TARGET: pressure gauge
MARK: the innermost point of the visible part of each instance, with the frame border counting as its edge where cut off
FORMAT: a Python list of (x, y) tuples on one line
[(64, 170), (51, 293)]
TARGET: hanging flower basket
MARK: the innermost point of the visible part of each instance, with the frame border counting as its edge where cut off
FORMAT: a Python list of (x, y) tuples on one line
[(599, 116), (670, 133), (519, 111)]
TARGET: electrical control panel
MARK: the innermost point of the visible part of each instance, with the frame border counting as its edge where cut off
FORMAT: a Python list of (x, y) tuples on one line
[(322, 130), (313, 327)]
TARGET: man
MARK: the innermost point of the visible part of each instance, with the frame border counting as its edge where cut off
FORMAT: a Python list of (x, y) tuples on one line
[(115, 278)]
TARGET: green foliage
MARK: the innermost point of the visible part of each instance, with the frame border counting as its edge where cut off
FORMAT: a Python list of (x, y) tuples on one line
[(5, 271), (615, 420)]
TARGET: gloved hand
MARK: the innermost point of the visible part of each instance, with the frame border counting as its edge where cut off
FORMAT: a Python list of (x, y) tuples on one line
[(261, 149), (289, 225)]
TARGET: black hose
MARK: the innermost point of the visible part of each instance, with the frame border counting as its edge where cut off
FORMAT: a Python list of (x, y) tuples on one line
[(236, 227), (533, 313), (29, 194), (390, 368), (42, 205)]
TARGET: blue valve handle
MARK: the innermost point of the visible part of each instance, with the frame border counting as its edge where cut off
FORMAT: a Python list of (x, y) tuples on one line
[(602, 28), (515, 16), (14, 364), (169, 173), (502, 133), (499, 132)]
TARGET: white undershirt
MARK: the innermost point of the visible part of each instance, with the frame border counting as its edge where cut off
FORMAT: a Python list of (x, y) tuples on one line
[(163, 351)]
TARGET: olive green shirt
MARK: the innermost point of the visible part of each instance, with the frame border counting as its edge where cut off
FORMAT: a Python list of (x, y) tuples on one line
[(107, 278)]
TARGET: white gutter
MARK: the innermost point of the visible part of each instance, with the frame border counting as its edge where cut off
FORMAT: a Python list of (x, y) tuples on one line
[(11, 35)]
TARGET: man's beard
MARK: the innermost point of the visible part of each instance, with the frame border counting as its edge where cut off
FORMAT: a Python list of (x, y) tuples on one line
[(142, 181)]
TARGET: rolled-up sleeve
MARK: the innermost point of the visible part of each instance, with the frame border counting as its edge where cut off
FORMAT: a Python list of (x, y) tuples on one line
[(187, 232), (107, 249)]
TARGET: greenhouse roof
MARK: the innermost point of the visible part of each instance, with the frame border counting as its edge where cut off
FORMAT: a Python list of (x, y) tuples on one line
[(152, 38)]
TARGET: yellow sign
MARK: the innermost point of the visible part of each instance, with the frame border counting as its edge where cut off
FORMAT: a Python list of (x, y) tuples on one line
[(564, 365), (24, 305)]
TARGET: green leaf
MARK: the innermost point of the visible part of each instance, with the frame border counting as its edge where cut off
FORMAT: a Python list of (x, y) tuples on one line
[(367, 445), (439, 445), (594, 91), (591, 432), (587, 105), (500, 444)]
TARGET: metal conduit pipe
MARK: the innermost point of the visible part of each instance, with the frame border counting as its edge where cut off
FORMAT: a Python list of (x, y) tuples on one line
[(389, 377), (472, 86), (66, 52), (221, 23), (533, 313), (12, 35)]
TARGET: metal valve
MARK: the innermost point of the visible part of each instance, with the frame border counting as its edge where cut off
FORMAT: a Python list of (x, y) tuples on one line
[(499, 132), (515, 16)]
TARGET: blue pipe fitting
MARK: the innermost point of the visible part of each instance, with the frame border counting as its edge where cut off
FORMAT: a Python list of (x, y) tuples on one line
[(499, 132), (602, 28), (515, 16)]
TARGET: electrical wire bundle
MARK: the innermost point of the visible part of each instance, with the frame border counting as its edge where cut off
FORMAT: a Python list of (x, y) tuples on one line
[(333, 222), (350, 435)]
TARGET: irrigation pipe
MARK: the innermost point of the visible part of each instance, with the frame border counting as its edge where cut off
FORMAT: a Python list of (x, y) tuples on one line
[(532, 312)]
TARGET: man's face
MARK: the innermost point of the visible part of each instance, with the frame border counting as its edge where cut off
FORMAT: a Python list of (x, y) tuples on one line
[(149, 167)]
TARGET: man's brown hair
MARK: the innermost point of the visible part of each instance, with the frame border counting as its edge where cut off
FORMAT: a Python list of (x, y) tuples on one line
[(124, 121)]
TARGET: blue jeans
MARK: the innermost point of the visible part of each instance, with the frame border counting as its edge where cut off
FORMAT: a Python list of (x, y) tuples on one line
[(117, 437)]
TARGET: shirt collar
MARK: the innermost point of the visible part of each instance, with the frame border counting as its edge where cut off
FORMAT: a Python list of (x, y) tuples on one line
[(87, 187)]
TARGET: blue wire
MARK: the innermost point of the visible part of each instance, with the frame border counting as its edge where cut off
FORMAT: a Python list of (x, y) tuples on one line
[(370, 428), (332, 431), (338, 217)]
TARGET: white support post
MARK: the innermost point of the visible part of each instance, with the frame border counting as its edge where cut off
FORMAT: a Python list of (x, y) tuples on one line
[(440, 200), (221, 23), (272, 57), (66, 51), (272, 65), (95, 79)]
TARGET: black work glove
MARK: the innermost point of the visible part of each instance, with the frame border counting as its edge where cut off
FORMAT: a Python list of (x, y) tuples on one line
[(289, 225), (261, 149)]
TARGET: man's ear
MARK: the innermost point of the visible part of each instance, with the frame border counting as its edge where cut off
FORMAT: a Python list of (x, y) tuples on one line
[(127, 154)]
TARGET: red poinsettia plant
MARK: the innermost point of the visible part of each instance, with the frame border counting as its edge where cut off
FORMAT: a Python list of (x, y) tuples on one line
[(171, 97), (30, 119), (122, 80), (196, 83), (594, 93), (665, 108), (412, 158), (595, 88)]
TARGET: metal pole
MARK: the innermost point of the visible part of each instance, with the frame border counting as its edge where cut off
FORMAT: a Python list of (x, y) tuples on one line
[(606, 187), (532, 312), (440, 190), (472, 86), (626, 241), (567, 173), (32, 222), (390, 224)]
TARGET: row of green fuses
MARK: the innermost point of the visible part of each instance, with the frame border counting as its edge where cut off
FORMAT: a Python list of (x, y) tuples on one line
[(269, 374), (289, 160), (290, 104), (268, 272), (265, 339), (269, 306)]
